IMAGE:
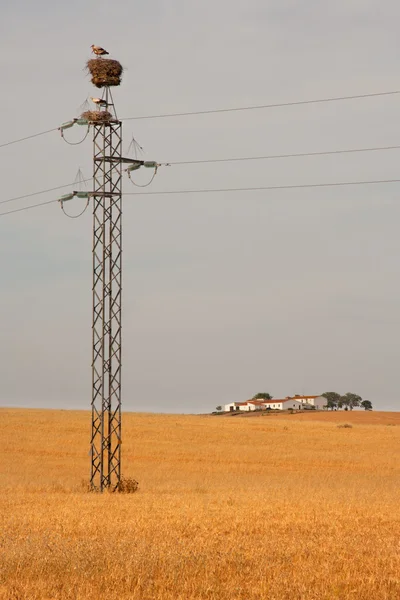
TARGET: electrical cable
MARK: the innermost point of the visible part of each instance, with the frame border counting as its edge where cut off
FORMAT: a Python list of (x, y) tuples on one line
[(223, 110), (76, 143), (16, 210), (78, 215), (276, 156), (59, 187), (268, 187), (276, 105), (146, 184), (28, 137), (246, 189), (218, 160), (221, 160)]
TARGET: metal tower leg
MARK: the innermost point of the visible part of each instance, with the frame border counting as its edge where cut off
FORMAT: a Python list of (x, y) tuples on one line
[(107, 255)]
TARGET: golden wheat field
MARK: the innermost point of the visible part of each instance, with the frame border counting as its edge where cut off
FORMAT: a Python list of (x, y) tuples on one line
[(276, 508)]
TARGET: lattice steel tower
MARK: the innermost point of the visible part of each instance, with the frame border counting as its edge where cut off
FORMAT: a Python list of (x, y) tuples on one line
[(107, 289), (105, 444)]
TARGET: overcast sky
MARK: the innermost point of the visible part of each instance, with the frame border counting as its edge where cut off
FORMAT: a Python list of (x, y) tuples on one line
[(225, 295)]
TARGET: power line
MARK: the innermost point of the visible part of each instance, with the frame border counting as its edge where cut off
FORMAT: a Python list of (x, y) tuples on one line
[(28, 137), (238, 159), (277, 105), (59, 187), (276, 156), (245, 189), (269, 187), (224, 110), (221, 160), (10, 212)]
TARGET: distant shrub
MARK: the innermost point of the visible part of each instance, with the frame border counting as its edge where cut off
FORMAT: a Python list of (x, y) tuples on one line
[(127, 485), (345, 426)]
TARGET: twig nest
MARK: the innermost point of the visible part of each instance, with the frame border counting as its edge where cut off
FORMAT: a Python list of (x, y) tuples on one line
[(97, 116), (104, 71)]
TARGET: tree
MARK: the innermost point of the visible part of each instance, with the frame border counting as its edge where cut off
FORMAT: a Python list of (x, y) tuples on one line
[(262, 396), (350, 400), (366, 404), (219, 408), (333, 399)]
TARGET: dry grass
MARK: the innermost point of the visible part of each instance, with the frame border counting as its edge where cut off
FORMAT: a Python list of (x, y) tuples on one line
[(267, 509), (104, 71), (361, 417), (342, 416), (97, 116)]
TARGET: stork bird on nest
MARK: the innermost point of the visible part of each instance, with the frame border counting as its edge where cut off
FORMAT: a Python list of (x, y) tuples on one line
[(98, 50), (99, 101)]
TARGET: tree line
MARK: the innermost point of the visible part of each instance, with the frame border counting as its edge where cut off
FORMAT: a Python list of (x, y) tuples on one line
[(335, 401), (348, 401)]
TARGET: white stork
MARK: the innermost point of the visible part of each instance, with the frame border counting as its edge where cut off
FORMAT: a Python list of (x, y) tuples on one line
[(98, 50), (99, 101)]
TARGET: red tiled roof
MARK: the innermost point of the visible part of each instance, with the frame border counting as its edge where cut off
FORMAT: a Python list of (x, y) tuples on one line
[(274, 400), (294, 397), (278, 400)]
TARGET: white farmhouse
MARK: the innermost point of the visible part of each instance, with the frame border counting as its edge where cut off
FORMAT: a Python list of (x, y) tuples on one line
[(251, 405), (231, 407), (284, 404), (290, 402), (318, 402), (236, 406)]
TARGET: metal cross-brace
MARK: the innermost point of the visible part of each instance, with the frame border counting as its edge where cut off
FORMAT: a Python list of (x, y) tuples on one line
[(107, 263)]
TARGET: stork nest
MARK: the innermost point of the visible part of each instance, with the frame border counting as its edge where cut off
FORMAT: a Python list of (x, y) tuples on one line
[(97, 116), (104, 71)]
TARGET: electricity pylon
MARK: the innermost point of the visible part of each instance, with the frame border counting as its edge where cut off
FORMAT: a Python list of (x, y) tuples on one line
[(105, 444), (107, 290)]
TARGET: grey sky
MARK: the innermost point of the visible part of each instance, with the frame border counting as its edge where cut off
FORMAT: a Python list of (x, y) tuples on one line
[(225, 295)]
